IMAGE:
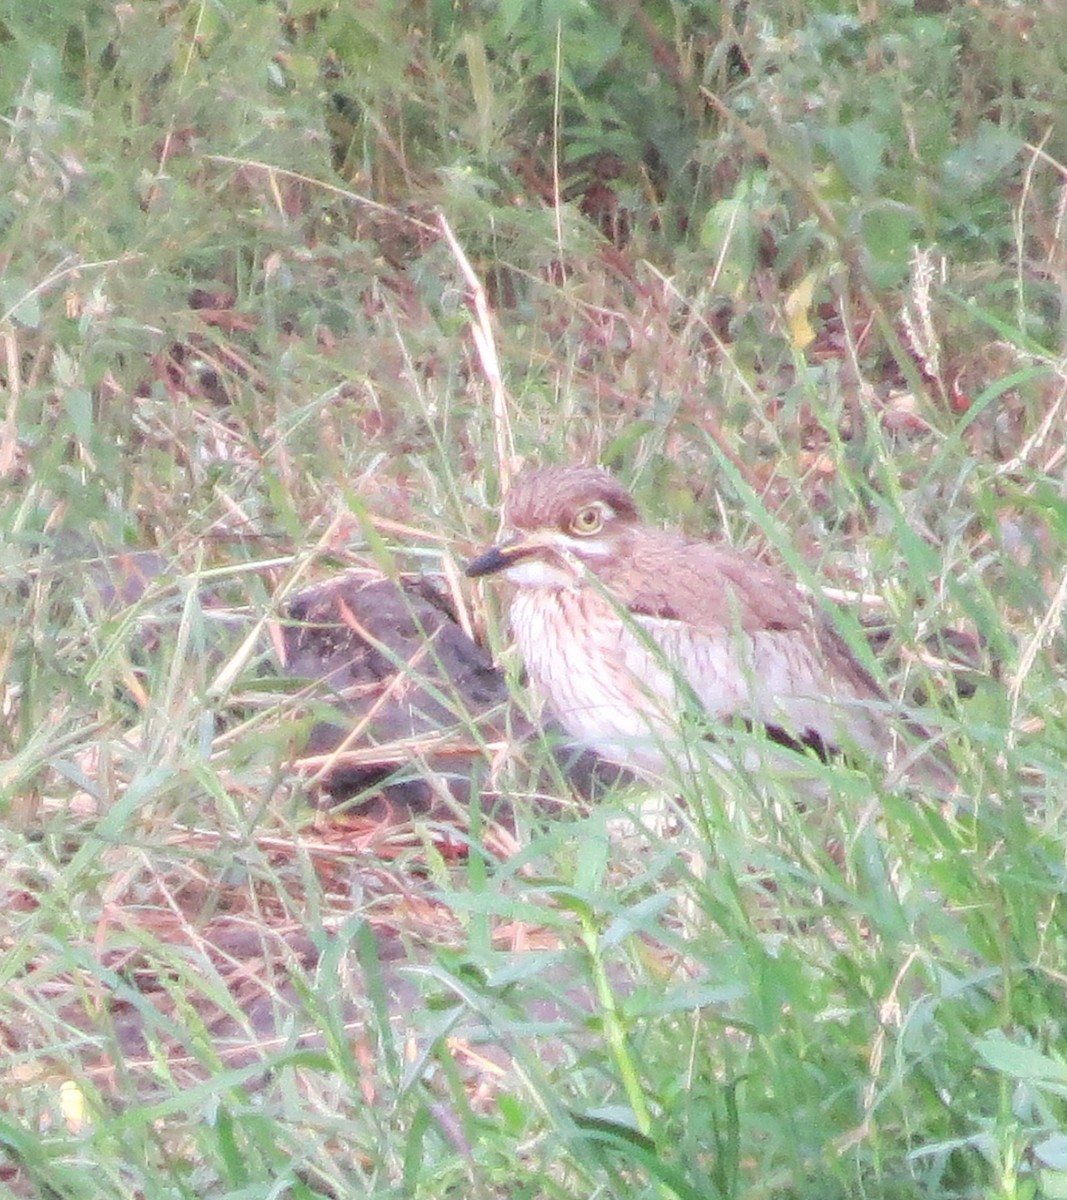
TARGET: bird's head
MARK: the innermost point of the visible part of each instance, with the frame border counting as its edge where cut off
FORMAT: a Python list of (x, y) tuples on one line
[(558, 521)]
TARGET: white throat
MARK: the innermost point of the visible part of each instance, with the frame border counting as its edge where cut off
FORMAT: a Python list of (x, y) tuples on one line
[(533, 572)]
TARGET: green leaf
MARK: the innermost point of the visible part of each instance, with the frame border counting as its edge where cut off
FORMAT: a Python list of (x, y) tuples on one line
[(856, 151), (979, 159), (79, 406), (731, 230), (638, 918), (19, 303), (1052, 1152), (593, 856), (514, 1113), (616, 1120), (889, 232), (1021, 1062)]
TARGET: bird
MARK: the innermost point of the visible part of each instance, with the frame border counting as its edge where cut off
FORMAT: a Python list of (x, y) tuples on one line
[(628, 632)]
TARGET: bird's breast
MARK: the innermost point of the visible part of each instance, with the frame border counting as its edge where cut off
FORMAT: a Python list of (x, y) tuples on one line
[(585, 661)]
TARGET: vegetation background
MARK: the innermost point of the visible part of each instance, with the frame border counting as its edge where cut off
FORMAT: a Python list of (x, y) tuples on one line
[(798, 271)]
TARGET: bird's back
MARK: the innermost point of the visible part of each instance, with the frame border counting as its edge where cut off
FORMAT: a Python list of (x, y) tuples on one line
[(746, 642)]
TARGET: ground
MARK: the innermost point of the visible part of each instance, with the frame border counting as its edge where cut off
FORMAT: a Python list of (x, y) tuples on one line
[(289, 291)]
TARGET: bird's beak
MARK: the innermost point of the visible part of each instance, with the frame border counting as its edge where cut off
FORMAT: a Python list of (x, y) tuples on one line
[(501, 556)]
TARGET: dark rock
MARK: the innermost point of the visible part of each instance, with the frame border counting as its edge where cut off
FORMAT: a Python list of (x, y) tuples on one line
[(393, 662)]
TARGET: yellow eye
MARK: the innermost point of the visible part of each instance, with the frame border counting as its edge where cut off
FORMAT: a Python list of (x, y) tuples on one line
[(587, 521)]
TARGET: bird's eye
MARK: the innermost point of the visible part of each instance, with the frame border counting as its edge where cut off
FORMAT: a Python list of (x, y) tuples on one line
[(588, 520)]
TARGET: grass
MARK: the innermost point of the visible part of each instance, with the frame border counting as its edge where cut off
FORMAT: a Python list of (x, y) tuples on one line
[(803, 289)]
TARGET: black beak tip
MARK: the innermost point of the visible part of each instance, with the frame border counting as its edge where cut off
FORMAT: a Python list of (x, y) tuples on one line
[(487, 564)]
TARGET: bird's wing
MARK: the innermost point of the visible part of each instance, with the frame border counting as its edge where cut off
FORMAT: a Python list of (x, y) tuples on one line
[(791, 670), (719, 591), (712, 588), (750, 644), (772, 678)]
